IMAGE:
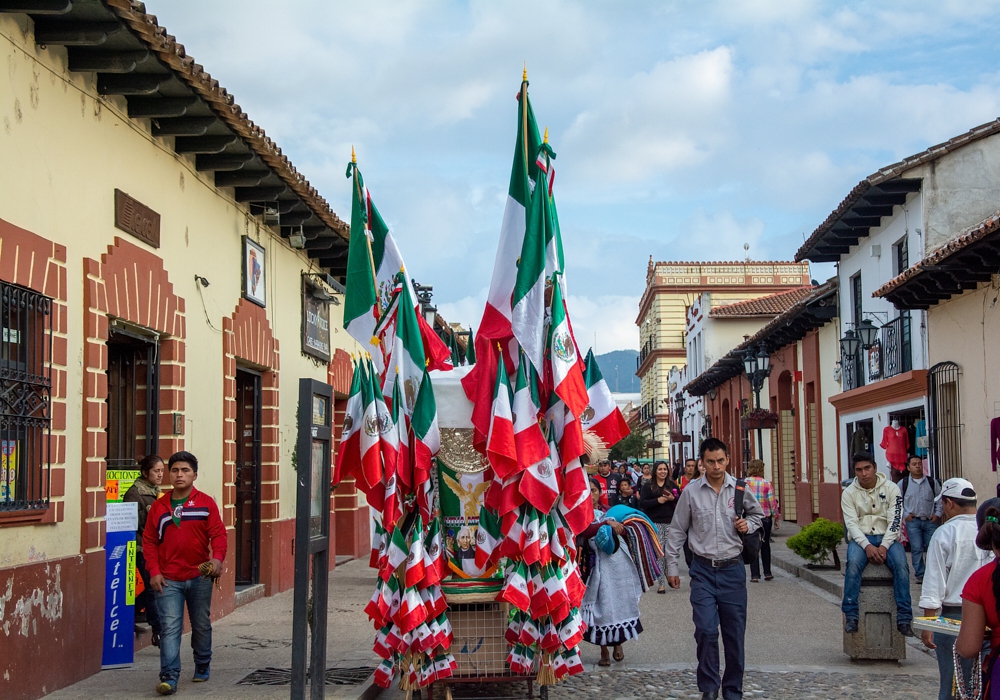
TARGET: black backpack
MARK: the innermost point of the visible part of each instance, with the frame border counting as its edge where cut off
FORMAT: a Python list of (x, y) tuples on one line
[(751, 541)]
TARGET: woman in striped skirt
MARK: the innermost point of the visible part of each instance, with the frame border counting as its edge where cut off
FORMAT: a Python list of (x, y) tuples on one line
[(657, 500)]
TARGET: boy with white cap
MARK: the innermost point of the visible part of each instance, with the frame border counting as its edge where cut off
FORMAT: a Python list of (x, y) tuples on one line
[(952, 557)]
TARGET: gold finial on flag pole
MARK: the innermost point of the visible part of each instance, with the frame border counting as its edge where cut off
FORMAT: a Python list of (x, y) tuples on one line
[(545, 139), (524, 75), (354, 158)]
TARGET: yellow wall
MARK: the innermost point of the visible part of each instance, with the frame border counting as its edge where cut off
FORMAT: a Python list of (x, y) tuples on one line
[(65, 150)]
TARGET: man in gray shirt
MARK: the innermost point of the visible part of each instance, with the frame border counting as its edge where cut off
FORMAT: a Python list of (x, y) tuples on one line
[(921, 511), (705, 518)]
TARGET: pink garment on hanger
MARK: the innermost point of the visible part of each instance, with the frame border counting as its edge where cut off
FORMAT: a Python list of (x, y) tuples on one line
[(896, 444)]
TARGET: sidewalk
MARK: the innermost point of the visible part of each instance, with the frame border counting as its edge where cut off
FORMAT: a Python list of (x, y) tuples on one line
[(256, 636), (828, 580)]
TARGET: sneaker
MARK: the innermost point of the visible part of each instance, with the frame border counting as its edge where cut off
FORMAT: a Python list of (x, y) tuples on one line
[(201, 673), (167, 687), (850, 626), (905, 629)]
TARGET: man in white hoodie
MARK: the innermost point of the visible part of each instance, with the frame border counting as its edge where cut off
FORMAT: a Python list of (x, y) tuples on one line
[(873, 511)]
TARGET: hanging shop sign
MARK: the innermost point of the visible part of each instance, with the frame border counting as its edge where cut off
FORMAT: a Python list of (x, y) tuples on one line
[(254, 272), (135, 218), (315, 324)]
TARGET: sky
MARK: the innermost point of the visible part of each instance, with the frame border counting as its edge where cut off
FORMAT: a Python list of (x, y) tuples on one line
[(683, 130)]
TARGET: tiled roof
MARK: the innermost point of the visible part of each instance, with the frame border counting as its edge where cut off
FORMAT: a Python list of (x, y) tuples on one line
[(170, 52), (891, 172), (812, 310), (771, 305), (943, 262), (734, 263)]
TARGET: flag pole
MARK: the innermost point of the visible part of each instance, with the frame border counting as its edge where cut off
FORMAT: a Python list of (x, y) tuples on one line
[(524, 114), (368, 241)]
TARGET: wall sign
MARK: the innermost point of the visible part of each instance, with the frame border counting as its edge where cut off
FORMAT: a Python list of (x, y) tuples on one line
[(254, 272), (315, 325), (135, 218), (121, 520)]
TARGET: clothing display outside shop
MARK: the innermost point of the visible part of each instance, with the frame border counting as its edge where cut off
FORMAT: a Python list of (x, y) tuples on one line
[(896, 443), (995, 443)]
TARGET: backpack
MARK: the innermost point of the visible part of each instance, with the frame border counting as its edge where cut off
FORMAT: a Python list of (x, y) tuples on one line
[(751, 541), (905, 483)]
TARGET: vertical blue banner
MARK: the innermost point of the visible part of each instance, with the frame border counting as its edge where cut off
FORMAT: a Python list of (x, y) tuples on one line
[(119, 586)]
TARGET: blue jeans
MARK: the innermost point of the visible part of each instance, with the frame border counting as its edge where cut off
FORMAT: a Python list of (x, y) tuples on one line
[(197, 593), (895, 559), (920, 532), (945, 643), (719, 598)]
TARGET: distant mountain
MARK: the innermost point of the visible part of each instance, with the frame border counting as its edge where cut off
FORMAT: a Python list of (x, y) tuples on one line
[(618, 368)]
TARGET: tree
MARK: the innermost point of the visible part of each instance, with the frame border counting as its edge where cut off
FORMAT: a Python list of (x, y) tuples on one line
[(634, 445)]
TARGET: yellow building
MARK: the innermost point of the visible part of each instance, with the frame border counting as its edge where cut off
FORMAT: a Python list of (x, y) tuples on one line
[(671, 288), (166, 277)]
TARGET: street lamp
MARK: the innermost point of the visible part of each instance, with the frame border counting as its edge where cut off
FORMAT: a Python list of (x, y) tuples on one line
[(850, 343), (758, 368), (679, 405), (868, 333)]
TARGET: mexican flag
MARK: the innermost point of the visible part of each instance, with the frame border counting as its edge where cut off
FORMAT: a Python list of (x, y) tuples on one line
[(424, 422), (373, 262), (371, 457), (534, 273), (540, 483), (602, 416), (500, 446), (567, 376), (488, 538), (406, 356), (528, 436), (496, 322), (349, 452)]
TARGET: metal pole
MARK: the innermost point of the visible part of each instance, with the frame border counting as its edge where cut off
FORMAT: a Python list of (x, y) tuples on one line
[(760, 433)]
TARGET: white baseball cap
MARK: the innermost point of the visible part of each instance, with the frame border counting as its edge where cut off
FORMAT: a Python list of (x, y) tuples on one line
[(957, 488)]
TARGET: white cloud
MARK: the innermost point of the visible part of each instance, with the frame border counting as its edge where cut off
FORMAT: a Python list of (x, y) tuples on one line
[(605, 322), (683, 129)]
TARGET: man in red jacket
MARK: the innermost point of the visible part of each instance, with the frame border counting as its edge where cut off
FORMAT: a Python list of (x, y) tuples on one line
[(183, 532)]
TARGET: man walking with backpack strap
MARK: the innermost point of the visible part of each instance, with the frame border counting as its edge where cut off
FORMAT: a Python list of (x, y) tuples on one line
[(706, 518), (921, 511)]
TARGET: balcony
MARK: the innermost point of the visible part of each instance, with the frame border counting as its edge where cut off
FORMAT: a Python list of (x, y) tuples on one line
[(891, 355), (897, 350), (644, 352)]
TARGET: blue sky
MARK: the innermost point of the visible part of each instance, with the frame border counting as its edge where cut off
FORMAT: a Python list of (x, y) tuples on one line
[(683, 129)]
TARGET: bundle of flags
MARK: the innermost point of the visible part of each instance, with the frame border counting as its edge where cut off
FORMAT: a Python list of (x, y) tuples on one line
[(532, 432), (389, 440)]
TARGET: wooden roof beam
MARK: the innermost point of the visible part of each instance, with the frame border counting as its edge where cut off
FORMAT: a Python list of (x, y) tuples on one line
[(131, 83), (58, 33), (183, 126), (221, 161), (84, 60), (203, 144), (158, 107)]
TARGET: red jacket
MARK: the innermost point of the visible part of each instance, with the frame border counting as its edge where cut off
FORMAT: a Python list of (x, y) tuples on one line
[(176, 551)]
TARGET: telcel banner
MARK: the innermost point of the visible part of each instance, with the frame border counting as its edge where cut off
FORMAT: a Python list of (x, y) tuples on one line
[(122, 520)]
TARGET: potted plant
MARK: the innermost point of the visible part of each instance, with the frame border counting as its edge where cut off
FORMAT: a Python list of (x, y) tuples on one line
[(760, 419), (817, 542)]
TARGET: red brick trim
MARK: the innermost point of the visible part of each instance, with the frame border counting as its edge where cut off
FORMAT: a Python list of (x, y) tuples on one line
[(247, 339), (31, 261), (129, 283)]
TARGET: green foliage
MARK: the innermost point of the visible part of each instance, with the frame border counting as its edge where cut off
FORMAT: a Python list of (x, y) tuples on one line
[(816, 541), (634, 445)]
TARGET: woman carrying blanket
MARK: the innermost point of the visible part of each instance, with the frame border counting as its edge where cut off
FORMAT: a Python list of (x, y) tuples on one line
[(658, 500), (611, 604)]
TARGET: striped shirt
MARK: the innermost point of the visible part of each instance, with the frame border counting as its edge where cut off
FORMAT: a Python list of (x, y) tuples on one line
[(764, 493)]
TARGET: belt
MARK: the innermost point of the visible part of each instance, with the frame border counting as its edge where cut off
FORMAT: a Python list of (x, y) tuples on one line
[(719, 563), (949, 610)]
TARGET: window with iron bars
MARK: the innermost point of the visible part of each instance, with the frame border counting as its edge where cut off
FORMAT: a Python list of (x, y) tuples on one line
[(25, 398)]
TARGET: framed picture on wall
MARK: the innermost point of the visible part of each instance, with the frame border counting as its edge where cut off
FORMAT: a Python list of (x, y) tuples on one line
[(254, 272)]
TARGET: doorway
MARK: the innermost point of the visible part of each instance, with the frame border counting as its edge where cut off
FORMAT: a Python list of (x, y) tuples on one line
[(248, 442), (133, 398)]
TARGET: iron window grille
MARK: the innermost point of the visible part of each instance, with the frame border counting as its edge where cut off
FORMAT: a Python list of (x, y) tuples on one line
[(944, 428), (25, 398)]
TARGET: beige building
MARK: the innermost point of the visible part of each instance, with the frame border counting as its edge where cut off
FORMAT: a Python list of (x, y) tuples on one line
[(166, 278), (958, 286), (672, 288)]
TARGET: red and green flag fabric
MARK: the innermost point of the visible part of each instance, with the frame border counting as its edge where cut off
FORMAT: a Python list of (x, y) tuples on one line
[(371, 443), (602, 415), (501, 449), (407, 361), (373, 263), (540, 483), (349, 453), (427, 437), (567, 375), (470, 348), (528, 436), (533, 275)]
